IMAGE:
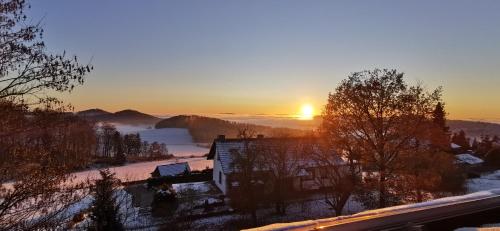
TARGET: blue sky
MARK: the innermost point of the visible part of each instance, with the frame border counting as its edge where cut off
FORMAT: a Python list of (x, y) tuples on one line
[(272, 56)]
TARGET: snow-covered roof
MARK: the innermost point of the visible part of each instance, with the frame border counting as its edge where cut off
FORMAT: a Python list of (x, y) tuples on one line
[(455, 146), (302, 172), (173, 169), (468, 159), (225, 151), (224, 154)]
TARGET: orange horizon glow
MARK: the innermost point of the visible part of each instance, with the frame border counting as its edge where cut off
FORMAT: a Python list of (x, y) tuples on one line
[(456, 112), (206, 103)]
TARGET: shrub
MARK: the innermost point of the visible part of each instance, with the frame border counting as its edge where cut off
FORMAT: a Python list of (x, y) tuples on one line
[(492, 158), (164, 201)]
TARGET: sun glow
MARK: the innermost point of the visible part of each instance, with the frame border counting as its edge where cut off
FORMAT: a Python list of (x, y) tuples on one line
[(306, 112)]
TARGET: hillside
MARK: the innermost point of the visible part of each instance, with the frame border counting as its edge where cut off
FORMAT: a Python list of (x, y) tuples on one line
[(474, 128), (205, 129), (124, 117), (93, 113)]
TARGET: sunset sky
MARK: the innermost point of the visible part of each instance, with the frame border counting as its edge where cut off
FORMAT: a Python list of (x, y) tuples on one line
[(272, 57)]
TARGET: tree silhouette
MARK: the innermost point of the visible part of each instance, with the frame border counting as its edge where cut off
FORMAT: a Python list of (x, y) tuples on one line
[(105, 210), (26, 68), (382, 115), (439, 117)]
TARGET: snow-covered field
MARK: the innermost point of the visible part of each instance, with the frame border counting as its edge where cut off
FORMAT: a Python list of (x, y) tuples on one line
[(178, 140), (142, 171)]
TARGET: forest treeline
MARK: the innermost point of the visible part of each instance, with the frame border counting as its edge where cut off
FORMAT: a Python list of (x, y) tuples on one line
[(206, 129), (475, 129)]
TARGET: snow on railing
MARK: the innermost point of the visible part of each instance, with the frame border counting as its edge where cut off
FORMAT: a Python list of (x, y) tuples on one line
[(389, 210)]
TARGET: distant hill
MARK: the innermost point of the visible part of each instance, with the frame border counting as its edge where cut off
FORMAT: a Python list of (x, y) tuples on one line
[(205, 129), (474, 128), (124, 117), (93, 113)]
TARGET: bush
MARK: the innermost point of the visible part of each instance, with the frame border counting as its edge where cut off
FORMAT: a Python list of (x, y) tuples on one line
[(453, 181), (492, 158), (164, 201)]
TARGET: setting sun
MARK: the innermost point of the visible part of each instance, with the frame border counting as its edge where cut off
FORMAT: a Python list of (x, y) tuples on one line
[(306, 112)]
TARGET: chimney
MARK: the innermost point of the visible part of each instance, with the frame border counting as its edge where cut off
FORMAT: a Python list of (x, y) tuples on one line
[(260, 136), (221, 137)]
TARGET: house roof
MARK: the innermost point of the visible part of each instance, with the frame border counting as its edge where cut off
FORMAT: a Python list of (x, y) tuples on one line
[(173, 169), (468, 159), (455, 146), (225, 150), (224, 153), (211, 153)]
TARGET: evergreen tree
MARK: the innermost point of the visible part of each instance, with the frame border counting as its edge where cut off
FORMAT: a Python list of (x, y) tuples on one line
[(439, 117), (460, 138), (105, 210), (474, 145)]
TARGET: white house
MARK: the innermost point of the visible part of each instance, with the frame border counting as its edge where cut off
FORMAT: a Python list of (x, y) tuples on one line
[(222, 153)]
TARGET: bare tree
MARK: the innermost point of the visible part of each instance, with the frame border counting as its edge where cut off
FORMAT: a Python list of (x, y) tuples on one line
[(25, 66), (106, 134), (382, 114), (35, 187), (339, 170), (38, 146), (246, 161), (282, 159)]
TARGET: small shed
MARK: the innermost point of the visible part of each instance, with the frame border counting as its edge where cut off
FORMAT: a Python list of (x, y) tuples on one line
[(455, 146), (468, 159), (171, 170), (470, 164), (456, 149)]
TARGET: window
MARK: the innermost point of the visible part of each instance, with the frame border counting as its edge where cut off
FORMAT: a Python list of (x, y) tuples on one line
[(220, 177)]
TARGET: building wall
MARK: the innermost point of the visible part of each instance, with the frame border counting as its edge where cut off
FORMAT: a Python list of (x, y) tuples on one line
[(222, 184)]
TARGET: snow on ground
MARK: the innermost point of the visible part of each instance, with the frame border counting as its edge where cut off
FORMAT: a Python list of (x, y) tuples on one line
[(486, 186), (186, 150), (485, 182), (142, 171), (130, 215), (436, 202), (200, 187), (178, 140), (388, 210)]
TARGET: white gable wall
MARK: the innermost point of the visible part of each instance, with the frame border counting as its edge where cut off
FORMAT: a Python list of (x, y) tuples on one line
[(221, 183)]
